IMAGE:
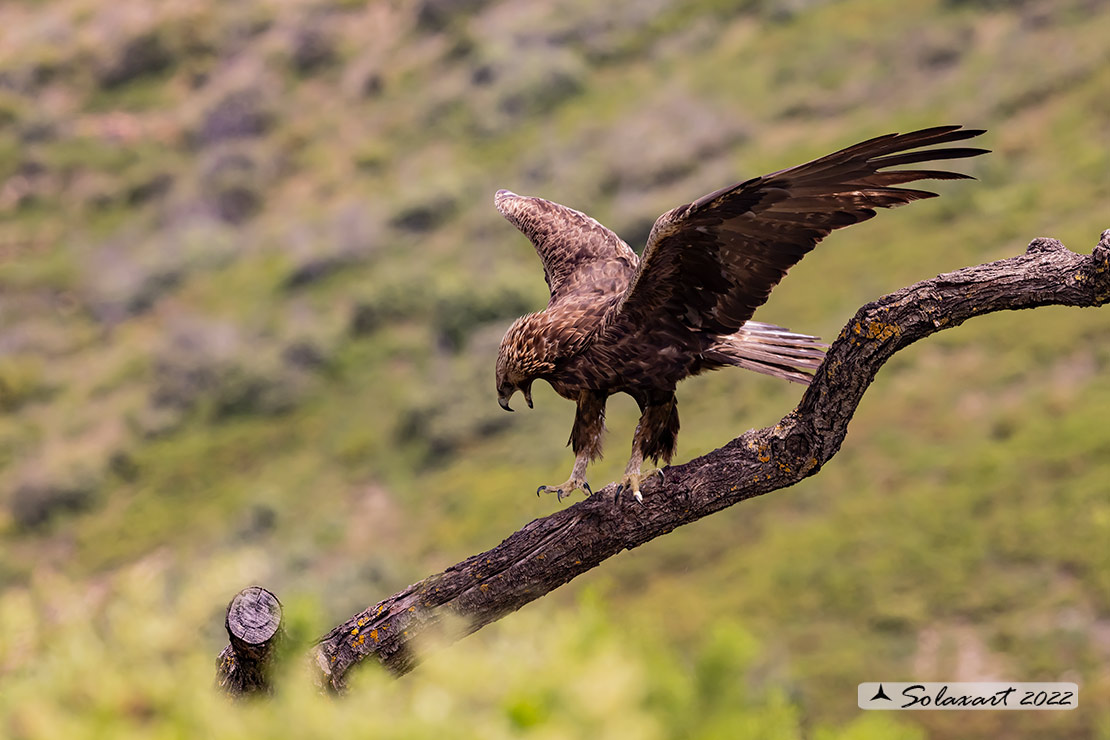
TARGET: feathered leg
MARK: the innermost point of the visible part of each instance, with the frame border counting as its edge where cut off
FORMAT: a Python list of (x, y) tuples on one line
[(585, 440), (656, 437)]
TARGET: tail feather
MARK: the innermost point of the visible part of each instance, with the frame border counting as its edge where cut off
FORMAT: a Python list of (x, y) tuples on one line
[(770, 350)]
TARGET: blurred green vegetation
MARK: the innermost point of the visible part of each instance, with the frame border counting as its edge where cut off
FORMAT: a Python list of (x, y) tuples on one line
[(252, 285)]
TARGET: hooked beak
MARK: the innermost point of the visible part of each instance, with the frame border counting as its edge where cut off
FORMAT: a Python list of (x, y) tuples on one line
[(503, 399)]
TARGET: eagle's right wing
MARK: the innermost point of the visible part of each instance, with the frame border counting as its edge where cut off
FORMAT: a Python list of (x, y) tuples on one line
[(577, 252)]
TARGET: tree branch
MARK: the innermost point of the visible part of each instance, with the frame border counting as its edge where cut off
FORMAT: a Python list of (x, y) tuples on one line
[(548, 552)]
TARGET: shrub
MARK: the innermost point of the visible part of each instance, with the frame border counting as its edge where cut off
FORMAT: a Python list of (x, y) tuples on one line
[(242, 113), (217, 369), (143, 55), (232, 184), (21, 380), (35, 502)]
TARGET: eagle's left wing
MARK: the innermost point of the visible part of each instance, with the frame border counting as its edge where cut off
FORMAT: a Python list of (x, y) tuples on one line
[(709, 264)]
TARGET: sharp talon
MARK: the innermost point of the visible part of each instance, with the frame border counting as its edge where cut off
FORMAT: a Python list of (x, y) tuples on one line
[(564, 490), (586, 488), (640, 499)]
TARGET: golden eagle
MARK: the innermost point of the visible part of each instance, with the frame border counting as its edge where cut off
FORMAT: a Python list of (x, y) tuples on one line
[(617, 323)]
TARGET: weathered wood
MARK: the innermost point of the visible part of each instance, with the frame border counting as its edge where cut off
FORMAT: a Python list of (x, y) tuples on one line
[(548, 552), (253, 626)]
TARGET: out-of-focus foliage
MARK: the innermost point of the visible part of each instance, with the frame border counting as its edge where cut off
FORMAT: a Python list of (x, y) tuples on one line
[(576, 673), (252, 285)]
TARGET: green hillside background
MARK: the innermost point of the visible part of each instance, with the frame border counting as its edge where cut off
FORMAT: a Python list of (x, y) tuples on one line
[(251, 289)]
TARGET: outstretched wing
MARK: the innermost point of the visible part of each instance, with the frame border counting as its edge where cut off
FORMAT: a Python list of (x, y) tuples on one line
[(575, 249), (709, 264)]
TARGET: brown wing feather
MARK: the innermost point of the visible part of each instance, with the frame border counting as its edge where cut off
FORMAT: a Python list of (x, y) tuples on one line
[(575, 249), (709, 264)]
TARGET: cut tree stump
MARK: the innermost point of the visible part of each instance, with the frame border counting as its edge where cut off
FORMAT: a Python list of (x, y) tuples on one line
[(253, 626)]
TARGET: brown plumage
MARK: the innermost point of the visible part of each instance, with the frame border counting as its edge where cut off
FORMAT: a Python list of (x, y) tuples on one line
[(617, 323)]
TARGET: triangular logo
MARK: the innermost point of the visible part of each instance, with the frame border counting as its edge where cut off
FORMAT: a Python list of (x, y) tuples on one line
[(880, 694)]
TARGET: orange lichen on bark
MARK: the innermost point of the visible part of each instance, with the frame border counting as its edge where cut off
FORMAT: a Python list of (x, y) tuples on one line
[(877, 330)]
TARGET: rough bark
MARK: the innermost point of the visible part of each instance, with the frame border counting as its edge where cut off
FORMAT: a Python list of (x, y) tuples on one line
[(548, 552), (253, 626)]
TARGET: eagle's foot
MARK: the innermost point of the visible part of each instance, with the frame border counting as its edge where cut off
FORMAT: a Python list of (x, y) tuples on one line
[(631, 482), (566, 489)]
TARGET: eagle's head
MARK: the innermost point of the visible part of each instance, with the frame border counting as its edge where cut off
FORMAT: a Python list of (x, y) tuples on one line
[(519, 362)]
